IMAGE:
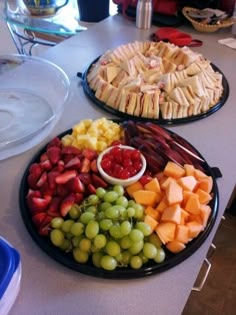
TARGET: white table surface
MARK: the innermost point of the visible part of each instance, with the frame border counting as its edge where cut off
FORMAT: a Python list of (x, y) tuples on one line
[(48, 288)]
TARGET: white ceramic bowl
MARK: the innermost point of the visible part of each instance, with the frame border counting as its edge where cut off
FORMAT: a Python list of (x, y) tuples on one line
[(115, 181)]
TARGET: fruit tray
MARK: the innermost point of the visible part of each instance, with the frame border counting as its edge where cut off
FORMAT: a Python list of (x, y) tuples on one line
[(161, 121), (151, 267)]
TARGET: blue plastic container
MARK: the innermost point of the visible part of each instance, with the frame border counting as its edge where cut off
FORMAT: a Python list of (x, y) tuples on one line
[(10, 276)]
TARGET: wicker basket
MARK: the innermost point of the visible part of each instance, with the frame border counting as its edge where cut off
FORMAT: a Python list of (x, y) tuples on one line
[(207, 28)]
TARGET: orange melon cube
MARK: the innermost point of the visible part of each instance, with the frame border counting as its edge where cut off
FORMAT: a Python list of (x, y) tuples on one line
[(172, 214), (150, 221), (166, 182), (174, 193), (195, 217), (187, 182), (152, 212), (153, 185), (162, 205), (166, 231), (182, 233), (199, 174), (205, 184), (189, 169), (174, 170), (184, 217), (193, 204), (175, 246), (145, 197), (186, 195), (134, 187), (204, 197), (194, 228), (205, 212)]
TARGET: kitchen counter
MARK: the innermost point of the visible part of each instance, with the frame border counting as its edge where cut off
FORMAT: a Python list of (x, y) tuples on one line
[(48, 288)]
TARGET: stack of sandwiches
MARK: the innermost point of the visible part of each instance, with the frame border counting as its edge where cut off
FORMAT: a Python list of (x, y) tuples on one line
[(155, 80)]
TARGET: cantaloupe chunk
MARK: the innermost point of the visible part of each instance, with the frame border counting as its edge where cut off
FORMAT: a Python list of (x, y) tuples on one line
[(175, 246), (205, 212), (166, 182), (172, 214), (189, 169), (195, 217), (150, 221), (162, 205), (193, 204), (184, 217), (174, 193), (187, 182), (145, 197), (153, 185), (204, 197), (182, 233), (199, 174), (186, 195), (174, 170), (152, 212), (134, 187), (205, 184), (166, 231), (194, 228)]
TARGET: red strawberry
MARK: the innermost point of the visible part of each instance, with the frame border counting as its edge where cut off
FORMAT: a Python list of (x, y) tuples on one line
[(38, 218), (54, 154), (90, 154), (56, 142), (66, 204), (91, 189), (79, 197), (69, 149), (42, 179), (33, 193), (45, 226), (37, 204), (46, 190), (61, 190), (32, 180), (93, 166), (85, 166), (65, 177), (54, 207), (67, 157), (145, 179), (60, 166), (85, 178), (75, 185), (97, 181), (35, 169), (51, 179), (46, 165), (73, 163), (43, 157)]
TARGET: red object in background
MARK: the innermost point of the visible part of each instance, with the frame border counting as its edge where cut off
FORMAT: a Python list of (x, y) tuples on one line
[(227, 6)]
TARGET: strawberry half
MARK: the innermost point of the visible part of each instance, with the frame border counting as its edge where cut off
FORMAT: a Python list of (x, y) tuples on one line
[(42, 179), (73, 163), (66, 204), (90, 154), (75, 185), (85, 165), (65, 177), (56, 142), (69, 149), (54, 154), (38, 218), (97, 181)]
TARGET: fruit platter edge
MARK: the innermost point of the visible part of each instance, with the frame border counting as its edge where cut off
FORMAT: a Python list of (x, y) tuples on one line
[(149, 269), (161, 121)]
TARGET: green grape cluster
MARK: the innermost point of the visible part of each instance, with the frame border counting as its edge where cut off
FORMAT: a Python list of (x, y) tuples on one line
[(108, 229)]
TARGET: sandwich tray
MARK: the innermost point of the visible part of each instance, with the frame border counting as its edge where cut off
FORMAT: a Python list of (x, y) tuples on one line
[(148, 269), (161, 121)]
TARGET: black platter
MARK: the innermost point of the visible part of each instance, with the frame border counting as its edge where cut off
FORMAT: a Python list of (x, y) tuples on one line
[(161, 121), (150, 268)]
